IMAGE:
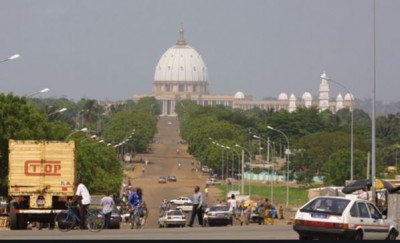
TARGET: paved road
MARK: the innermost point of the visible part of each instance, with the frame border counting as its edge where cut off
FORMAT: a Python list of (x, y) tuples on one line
[(255, 232), (162, 161)]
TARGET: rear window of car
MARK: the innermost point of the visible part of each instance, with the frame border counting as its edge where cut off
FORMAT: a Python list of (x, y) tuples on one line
[(175, 212), (333, 206), (219, 208)]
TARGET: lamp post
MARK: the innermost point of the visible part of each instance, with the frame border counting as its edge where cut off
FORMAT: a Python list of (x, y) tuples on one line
[(243, 149), (41, 91), (238, 163), (351, 124), (57, 111), (287, 152), (10, 58), (397, 151), (82, 130), (271, 173), (373, 131), (233, 158)]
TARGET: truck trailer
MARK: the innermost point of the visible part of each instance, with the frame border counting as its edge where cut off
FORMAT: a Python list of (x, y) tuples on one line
[(41, 180)]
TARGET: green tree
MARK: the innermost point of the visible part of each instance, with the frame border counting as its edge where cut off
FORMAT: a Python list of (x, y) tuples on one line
[(19, 120), (336, 170)]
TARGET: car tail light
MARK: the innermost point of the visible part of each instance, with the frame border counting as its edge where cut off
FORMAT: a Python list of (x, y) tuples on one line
[(321, 224)]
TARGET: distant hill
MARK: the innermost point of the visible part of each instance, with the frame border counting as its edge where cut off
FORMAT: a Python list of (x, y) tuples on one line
[(381, 109)]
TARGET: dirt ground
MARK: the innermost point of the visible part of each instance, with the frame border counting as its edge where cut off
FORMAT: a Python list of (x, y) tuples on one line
[(163, 160)]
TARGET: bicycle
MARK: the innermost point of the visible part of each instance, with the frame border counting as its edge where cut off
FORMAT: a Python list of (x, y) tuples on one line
[(68, 219), (136, 217)]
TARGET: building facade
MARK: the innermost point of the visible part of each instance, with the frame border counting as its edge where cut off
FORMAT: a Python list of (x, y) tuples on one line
[(182, 74)]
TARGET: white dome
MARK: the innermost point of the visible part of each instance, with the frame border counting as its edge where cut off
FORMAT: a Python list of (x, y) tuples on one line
[(339, 97), (348, 97), (292, 97), (181, 63), (239, 95), (306, 96), (283, 96)]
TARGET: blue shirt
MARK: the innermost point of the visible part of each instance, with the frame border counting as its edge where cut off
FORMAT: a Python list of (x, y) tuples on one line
[(134, 199)]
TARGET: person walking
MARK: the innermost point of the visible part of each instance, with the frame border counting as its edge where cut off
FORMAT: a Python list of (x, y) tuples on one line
[(82, 195), (260, 211), (268, 213), (232, 203), (136, 201), (107, 202), (247, 212), (197, 207), (281, 212)]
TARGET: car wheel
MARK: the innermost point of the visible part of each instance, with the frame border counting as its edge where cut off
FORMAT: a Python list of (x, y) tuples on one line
[(392, 235), (303, 237), (358, 235)]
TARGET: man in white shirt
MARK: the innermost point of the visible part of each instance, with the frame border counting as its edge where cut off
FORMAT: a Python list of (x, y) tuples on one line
[(83, 193), (107, 202), (233, 210)]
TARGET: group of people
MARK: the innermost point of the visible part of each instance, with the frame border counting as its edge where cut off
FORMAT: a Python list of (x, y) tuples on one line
[(266, 211), (83, 199)]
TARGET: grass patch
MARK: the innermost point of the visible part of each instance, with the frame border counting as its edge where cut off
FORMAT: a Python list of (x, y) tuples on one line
[(298, 195)]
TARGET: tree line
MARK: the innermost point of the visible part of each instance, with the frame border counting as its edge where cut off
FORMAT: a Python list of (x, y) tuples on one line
[(100, 150), (320, 141)]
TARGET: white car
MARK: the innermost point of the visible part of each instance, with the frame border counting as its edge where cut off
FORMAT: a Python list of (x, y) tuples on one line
[(186, 207), (329, 217), (172, 217), (217, 215), (181, 200)]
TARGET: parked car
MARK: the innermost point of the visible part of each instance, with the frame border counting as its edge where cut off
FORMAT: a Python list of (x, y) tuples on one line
[(162, 179), (171, 178), (181, 200), (212, 181), (217, 215), (172, 217), (186, 207), (329, 217)]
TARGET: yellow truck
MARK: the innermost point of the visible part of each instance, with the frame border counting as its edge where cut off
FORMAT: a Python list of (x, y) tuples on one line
[(41, 179)]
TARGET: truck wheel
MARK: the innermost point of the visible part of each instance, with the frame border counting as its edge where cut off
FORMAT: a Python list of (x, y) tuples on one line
[(22, 221), (13, 217)]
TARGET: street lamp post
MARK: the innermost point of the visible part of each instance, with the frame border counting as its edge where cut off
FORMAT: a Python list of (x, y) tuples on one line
[(82, 130), (271, 173), (41, 91), (10, 58), (238, 163), (57, 111), (243, 149), (287, 163), (351, 124)]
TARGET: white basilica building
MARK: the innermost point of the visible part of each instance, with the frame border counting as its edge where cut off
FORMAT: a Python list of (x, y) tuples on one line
[(182, 74)]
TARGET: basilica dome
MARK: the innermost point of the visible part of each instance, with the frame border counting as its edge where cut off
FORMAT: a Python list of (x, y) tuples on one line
[(181, 63), (239, 95), (283, 96)]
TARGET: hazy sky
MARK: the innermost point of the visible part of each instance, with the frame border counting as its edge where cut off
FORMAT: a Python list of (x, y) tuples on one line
[(108, 49)]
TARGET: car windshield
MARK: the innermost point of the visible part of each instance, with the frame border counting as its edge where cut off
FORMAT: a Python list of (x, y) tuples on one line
[(174, 213), (219, 208), (333, 206)]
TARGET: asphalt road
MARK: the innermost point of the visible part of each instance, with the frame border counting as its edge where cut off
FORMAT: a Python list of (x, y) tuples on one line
[(163, 160), (254, 232)]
